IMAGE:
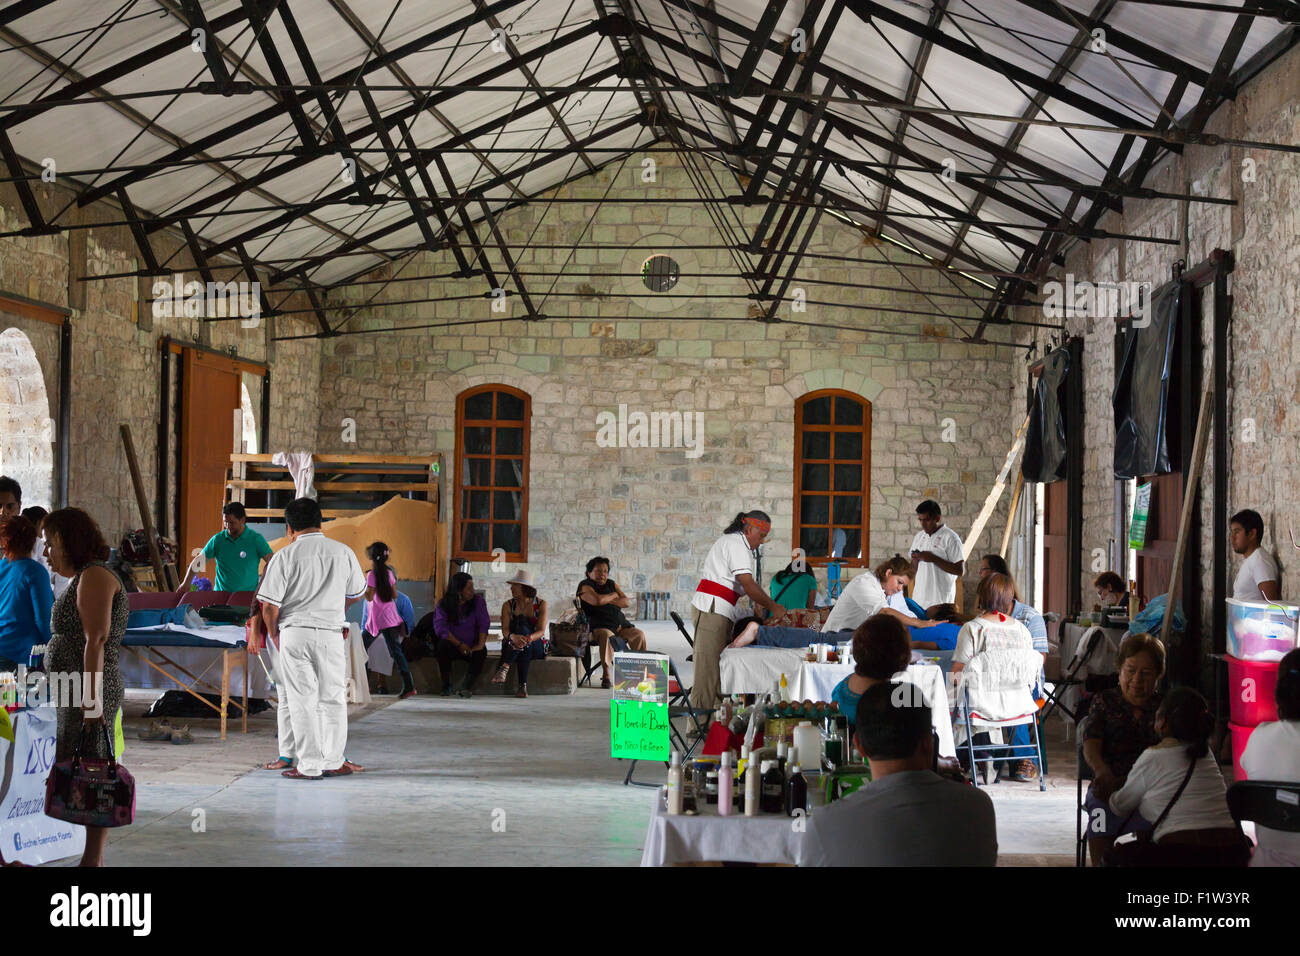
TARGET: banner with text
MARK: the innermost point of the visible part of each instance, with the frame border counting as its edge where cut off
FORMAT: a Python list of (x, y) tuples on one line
[(26, 833)]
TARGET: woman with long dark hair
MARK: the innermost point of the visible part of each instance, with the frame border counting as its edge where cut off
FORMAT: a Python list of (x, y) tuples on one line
[(88, 622), (383, 619), (461, 623), (795, 589), (727, 573)]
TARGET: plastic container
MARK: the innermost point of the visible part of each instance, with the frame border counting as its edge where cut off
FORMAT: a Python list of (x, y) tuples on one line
[(1251, 691), (1259, 631), (1240, 735), (807, 746)]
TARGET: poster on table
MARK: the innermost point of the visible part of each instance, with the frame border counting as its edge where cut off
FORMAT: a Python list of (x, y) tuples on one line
[(638, 707), (1137, 535), (26, 833)]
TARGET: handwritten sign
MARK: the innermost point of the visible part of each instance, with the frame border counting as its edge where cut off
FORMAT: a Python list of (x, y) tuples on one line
[(638, 707)]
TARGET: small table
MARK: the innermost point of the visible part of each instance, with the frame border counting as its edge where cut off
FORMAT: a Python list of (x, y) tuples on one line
[(708, 837)]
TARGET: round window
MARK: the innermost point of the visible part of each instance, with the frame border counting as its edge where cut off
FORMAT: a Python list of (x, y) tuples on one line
[(660, 273)]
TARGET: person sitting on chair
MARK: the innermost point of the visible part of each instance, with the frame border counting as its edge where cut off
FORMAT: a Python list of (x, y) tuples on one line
[(1177, 784), (1121, 724), (908, 815), (602, 602), (880, 650)]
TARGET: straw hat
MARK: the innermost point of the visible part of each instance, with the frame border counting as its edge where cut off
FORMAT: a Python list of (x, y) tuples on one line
[(523, 576)]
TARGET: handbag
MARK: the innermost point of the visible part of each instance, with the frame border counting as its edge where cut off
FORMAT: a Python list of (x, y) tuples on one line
[(91, 791), (571, 638)]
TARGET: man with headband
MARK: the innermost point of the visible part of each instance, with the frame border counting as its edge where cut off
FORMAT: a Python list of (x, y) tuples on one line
[(727, 573)]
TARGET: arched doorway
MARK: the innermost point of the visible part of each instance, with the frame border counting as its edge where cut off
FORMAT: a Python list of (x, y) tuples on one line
[(26, 431)]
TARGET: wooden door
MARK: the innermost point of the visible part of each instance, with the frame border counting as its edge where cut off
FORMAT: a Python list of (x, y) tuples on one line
[(1056, 549), (209, 405), (1155, 561)]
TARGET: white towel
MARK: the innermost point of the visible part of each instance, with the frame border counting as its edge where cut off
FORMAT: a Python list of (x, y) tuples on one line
[(301, 469)]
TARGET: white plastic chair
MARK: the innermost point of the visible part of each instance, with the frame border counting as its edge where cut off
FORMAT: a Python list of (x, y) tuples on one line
[(995, 692)]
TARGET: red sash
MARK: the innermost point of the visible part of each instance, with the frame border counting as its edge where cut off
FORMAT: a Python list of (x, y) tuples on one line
[(715, 589)]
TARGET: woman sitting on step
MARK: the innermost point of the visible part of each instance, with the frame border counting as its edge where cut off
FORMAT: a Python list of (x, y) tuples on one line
[(523, 630)]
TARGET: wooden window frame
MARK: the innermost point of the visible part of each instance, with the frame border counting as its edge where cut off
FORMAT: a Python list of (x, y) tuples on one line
[(457, 552), (865, 429)]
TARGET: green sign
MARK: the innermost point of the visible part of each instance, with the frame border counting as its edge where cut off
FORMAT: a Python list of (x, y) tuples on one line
[(1137, 534), (638, 708)]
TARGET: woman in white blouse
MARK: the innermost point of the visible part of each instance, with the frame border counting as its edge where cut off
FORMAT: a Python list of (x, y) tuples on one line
[(1177, 784)]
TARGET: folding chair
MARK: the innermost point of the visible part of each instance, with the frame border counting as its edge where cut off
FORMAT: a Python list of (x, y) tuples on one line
[(1001, 680), (679, 706), (1083, 652), (1082, 772), (589, 666), (681, 626), (1266, 803)]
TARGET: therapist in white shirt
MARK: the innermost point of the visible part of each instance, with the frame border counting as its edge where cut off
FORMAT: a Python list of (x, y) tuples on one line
[(869, 593), (304, 594), (1258, 578), (728, 572), (937, 553)]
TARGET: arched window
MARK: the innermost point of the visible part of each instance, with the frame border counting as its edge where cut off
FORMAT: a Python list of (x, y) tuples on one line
[(491, 493), (832, 476), (26, 431)]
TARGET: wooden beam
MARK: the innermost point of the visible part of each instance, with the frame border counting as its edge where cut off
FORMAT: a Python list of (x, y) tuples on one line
[(1193, 479)]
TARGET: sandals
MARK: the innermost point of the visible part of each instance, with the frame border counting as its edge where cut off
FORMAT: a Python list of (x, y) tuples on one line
[(342, 770), (279, 763), (500, 676), (354, 767), (182, 735), (293, 774), (522, 691)]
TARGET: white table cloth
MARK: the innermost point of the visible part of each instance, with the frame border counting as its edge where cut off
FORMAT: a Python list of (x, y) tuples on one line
[(816, 681), (767, 838), (757, 670)]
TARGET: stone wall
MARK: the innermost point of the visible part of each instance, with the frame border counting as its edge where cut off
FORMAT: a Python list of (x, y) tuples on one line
[(941, 408), (116, 356), (1262, 351)]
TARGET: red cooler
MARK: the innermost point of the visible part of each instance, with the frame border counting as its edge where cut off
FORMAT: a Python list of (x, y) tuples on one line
[(1239, 737), (1251, 691)]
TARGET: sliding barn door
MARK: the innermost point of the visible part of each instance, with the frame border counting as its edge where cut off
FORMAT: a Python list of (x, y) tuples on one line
[(209, 402)]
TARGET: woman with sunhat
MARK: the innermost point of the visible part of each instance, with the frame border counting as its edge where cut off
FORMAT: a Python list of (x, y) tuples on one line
[(523, 630), (728, 572)]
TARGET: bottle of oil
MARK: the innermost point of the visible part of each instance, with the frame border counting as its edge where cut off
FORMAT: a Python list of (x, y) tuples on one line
[(772, 798), (796, 792)]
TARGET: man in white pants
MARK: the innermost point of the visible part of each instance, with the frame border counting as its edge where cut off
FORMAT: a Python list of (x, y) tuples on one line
[(304, 595)]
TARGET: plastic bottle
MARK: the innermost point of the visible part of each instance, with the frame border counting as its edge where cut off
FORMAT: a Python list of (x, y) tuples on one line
[(675, 785), (796, 792), (743, 765), (785, 688), (807, 745), (753, 788), (725, 784), (782, 756), (770, 798)]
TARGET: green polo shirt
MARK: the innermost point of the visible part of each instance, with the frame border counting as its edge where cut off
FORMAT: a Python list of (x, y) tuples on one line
[(237, 559)]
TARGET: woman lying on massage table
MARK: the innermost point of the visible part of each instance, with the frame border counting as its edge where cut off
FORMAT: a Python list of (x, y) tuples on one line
[(938, 633)]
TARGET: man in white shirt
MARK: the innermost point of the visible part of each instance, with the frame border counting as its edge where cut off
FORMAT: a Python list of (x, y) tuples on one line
[(937, 554), (304, 595), (1258, 579)]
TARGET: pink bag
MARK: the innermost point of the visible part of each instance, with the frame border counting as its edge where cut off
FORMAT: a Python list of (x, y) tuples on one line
[(91, 791)]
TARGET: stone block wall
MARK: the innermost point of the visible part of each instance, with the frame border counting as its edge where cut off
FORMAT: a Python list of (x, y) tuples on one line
[(941, 409), (115, 352), (1262, 351)]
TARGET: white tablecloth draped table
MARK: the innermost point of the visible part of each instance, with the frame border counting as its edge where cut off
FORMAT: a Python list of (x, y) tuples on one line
[(707, 837), (757, 670)]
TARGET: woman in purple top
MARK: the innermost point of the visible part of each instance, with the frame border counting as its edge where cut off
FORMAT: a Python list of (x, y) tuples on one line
[(382, 617), (460, 622)]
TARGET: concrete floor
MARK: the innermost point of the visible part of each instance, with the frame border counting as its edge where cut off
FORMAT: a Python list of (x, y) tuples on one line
[(440, 773)]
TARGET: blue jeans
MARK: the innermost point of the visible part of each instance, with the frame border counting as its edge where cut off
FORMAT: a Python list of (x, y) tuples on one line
[(393, 638), (778, 636), (523, 657)]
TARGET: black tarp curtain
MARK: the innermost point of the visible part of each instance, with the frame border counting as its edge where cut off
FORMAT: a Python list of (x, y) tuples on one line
[(1143, 382), (1045, 440)]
